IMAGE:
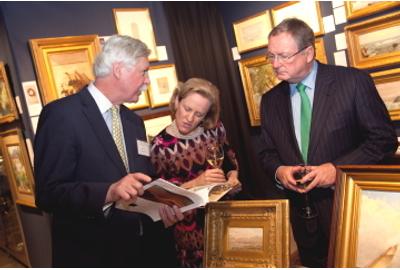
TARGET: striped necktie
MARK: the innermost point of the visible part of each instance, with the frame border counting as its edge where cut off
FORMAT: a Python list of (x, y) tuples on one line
[(305, 120), (117, 135)]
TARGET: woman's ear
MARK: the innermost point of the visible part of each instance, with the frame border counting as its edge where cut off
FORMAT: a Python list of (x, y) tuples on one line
[(176, 103)]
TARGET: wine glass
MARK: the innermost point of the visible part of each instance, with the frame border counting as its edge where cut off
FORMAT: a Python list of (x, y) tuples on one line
[(307, 211), (215, 155)]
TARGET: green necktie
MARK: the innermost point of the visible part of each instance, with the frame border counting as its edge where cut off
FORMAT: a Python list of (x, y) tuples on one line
[(117, 135), (305, 120)]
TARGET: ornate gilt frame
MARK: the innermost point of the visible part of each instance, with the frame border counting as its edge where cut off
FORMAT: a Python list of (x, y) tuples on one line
[(9, 113), (247, 234), (352, 13)]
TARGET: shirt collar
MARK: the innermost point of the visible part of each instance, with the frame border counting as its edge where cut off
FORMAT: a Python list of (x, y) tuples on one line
[(309, 80), (101, 100)]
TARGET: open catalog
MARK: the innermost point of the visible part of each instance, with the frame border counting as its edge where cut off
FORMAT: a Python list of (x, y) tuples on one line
[(160, 192)]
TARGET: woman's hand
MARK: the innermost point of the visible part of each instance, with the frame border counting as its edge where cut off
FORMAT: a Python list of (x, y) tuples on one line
[(210, 176), (170, 215), (234, 182)]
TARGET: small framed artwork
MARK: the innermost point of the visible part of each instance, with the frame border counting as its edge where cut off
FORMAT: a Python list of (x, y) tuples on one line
[(32, 98), (64, 64), (8, 109), (252, 32), (311, 14), (163, 82), (247, 234), (374, 43), (18, 166), (156, 125), (258, 77), (143, 102), (320, 54), (388, 84), (357, 9), (366, 218), (136, 22)]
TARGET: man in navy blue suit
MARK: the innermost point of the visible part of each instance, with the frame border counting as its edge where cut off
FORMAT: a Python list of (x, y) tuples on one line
[(80, 171), (322, 116)]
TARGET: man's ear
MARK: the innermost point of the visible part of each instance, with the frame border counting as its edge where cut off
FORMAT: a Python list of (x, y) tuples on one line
[(116, 70), (310, 54)]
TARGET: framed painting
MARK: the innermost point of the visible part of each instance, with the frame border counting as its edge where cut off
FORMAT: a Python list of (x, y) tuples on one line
[(320, 54), (258, 77), (163, 82), (247, 234), (388, 84), (18, 166), (136, 22), (251, 33), (366, 218), (8, 109), (357, 9), (374, 43), (143, 102), (156, 125), (291, 9), (64, 64)]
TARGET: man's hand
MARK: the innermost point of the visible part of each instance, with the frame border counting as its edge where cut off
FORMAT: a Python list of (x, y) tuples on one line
[(285, 175), (128, 188), (323, 176), (170, 215)]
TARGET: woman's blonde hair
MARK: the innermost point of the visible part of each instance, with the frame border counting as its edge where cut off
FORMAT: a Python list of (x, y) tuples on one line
[(203, 88)]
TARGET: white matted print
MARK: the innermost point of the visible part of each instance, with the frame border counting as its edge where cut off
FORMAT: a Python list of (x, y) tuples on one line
[(32, 97), (163, 81)]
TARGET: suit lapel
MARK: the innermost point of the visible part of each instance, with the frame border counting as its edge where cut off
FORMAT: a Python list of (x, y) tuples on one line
[(100, 128), (321, 106), (130, 136)]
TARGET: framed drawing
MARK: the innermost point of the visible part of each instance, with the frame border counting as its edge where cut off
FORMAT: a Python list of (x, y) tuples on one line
[(357, 9), (320, 54), (8, 110), (374, 43), (252, 32), (18, 166), (247, 234), (155, 125), (163, 82), (258, 77), (136, 22), (32, 98), (388, 84), (312, 16), (366, 206), (64, 65), (143, 102)]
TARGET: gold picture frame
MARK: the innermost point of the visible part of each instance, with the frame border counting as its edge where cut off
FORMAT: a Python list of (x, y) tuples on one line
[(366, 217), (143, 102), (358, 9), (64, 64), (8, 110), (374, 43), (320, 53), (18, 167), (258, 77), (163, 81), (136, 23), (251, 33), (155, 125), (312, 16), (388, 84), (247, 234)]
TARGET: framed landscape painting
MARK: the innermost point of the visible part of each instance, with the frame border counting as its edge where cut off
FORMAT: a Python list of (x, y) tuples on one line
[(247, 234), (357, 9), (136, 23), (64, 65), (258, 77), (374, 43), (366, 218), (251, 33), (387, 83), (19, 167), (8, 110)]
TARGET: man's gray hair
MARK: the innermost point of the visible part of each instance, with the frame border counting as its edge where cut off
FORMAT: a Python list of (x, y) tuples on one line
[(119, 49)]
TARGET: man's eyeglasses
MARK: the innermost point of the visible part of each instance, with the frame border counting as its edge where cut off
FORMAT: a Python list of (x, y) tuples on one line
[(282, 58)]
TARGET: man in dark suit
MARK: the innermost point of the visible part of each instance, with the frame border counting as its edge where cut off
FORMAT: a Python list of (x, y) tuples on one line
[(322, 116), (91, 151)]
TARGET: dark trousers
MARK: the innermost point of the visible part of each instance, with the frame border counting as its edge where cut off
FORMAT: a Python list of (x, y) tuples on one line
[(312, 234)]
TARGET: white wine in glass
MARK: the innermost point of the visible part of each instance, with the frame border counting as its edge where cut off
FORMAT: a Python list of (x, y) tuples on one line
[(215, 155)]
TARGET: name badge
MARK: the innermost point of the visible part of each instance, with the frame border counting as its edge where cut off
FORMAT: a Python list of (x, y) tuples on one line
[(143, 148)]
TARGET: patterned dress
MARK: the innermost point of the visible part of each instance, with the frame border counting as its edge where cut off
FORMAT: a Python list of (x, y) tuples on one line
[(180, 158)]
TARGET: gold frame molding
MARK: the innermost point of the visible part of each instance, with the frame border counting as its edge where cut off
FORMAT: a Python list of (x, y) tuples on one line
[(388, 76), (44, 48), (170, 79), (353, 183), (256, 83), (10, 114), (320, 53), (359, 57), (352, 13), (247, 234)]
